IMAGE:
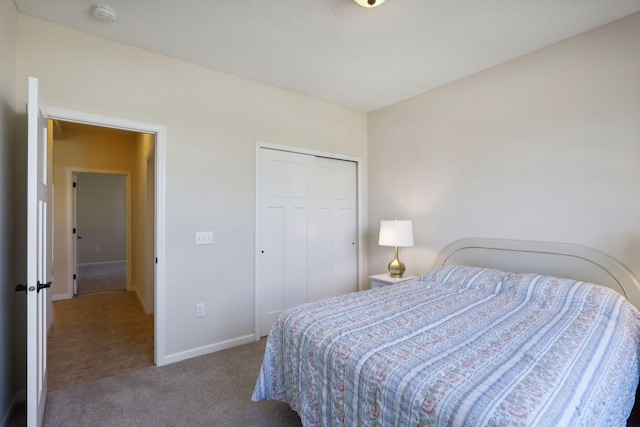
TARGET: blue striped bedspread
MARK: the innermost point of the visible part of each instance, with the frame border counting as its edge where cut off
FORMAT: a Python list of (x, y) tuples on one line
[(460, 346)]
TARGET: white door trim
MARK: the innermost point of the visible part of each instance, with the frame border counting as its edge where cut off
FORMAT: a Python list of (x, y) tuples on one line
[(160, 226), (149, 252), (359, 207)]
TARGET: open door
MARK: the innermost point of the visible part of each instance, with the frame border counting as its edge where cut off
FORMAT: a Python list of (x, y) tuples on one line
[(38, 257)]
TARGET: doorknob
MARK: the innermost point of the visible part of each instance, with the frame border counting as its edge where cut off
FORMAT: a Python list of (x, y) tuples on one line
[(23, 288), (79, 237)]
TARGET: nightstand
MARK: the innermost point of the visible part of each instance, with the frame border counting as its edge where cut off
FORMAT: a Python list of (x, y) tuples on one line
[(380, 280)]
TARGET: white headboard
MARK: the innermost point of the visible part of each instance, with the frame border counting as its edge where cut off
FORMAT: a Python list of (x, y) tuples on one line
[(551, 259)]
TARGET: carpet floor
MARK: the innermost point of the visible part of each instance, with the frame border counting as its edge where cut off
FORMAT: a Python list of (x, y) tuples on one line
[(110, 276), (210, 390)]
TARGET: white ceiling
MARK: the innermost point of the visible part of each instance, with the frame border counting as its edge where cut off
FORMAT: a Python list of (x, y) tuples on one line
[(335, 50)]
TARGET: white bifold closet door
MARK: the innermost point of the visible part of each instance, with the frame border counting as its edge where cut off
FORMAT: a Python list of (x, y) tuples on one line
[(306, 230)]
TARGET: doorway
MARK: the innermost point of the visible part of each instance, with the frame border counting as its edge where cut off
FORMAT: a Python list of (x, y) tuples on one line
[(102, 329), (101, 232), (156, 134)]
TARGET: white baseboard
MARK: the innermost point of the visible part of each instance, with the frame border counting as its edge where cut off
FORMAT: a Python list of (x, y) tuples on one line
[(58, 297), (140, 300), (101, 263), (18, 398), (211, 348)]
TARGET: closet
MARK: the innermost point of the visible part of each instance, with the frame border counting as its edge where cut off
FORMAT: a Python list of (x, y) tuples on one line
[(306, 219)]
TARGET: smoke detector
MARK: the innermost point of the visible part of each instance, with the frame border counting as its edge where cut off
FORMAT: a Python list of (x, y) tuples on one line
[(369, 3), (104, 13)]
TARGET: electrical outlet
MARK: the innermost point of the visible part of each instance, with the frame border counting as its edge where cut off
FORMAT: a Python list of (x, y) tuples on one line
[(204, 237), (200, 309)]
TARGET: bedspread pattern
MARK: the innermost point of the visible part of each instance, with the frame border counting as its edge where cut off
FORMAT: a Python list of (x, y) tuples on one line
[(460, 346)]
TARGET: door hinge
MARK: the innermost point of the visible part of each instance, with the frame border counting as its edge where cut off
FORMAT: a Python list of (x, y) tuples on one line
[(74, 231), (75, 184), (75, 277)]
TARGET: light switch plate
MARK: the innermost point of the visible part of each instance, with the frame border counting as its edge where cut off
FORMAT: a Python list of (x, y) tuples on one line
[(200, 309), (204, 237)]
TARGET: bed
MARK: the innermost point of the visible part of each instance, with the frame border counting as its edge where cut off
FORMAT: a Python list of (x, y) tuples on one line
[(490, 337)]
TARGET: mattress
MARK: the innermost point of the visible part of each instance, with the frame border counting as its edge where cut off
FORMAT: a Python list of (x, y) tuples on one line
[(459, 346)]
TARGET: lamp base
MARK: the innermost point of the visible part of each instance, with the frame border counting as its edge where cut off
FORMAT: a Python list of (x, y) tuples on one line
[(396, 267)]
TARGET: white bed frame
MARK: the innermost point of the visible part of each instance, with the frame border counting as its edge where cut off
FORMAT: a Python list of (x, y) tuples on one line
[(551, 259)]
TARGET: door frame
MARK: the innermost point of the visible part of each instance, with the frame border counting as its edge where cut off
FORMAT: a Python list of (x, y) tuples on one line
[(149, 247), (361, 224), (160, 208), (72, 217)]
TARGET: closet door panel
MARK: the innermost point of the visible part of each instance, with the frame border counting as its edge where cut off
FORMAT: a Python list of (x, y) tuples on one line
[(295, 252), (282, 232), (336, 190), (272, 274), (320, 272), (344, 252), (306, 237)]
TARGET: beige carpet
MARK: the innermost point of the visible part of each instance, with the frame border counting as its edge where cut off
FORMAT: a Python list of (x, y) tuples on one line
[(105, 277), (211, 390)]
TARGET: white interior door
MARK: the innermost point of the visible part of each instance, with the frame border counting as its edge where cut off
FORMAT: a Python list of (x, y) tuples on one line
[(333, 253), (283, 232), (38, 257), (306, 219)]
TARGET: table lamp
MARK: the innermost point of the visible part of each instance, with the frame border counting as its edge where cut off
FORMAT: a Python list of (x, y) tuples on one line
[(399, 234)]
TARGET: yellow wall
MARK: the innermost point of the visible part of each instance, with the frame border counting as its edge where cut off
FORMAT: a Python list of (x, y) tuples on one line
[(144, 144)]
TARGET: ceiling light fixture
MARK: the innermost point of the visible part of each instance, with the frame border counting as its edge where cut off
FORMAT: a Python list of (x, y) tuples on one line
[(369, 3), (104, 13)]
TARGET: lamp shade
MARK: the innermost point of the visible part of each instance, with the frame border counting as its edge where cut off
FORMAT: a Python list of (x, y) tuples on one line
[(397, 233)]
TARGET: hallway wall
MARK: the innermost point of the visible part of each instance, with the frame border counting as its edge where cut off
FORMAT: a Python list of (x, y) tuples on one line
[(98, 150), (142, 284)]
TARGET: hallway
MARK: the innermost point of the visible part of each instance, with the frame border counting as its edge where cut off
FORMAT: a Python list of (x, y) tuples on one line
[(97, 335)]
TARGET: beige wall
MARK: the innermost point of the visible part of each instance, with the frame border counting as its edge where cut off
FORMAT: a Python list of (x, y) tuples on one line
[(212, 121), (544, 147), (11, 303)]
